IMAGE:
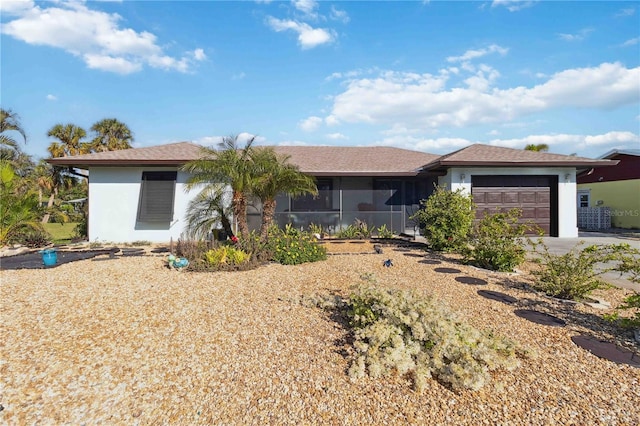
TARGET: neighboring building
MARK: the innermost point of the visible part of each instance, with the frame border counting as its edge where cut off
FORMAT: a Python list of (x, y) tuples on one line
[(613, 190), (139, 194)]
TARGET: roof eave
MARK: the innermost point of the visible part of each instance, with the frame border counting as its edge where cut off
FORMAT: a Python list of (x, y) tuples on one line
[(448, 164), (116, 163)]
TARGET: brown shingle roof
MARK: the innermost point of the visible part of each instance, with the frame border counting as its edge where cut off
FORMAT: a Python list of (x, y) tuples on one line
[(315, 160), (169, 154), (355, 161), (343, 161), (489, 155)]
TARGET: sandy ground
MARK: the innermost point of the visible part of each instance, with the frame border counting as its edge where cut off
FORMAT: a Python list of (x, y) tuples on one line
[(128, 341)]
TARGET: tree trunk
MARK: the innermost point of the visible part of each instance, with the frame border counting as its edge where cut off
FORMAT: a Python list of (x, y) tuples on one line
[(268, 212), (52, 197), (240, 212)]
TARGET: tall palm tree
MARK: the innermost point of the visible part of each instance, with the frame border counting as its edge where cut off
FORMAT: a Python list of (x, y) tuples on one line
[(51, 178), (541, 147), (70, 140), (275, 176), (231, 165), (111, 135), (10, 122)]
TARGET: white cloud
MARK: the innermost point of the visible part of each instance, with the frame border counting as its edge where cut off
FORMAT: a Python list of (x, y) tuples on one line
[(238, 76), (339, 15), (423, 100), (513, 5), (308, 37), (307, 7), (16, 7), (474, 54), (556, 142), (579, 36), (94, 36), (295, 143), (213, 141), (631, 42), (199, 55), (613, 138), (337, 136), (310, 124), (630, 11), (51, 97)]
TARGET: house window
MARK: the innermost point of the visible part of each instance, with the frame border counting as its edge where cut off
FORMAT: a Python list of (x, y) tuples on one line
[(584, 198), (322, 202), (156, 196)]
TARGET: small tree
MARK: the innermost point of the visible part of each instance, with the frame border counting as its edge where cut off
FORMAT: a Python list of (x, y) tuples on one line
[(446, 219)]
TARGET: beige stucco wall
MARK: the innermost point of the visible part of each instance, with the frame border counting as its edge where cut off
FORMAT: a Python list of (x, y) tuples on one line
[(622, 197)]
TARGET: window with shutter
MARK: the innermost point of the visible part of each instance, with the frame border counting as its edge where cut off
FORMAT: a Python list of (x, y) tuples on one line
[(156, 196)]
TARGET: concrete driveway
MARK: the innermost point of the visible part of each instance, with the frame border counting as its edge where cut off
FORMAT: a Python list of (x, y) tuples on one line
[(564, 245)]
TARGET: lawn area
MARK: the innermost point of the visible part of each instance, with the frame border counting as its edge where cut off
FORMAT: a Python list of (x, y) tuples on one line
[(61, 232)]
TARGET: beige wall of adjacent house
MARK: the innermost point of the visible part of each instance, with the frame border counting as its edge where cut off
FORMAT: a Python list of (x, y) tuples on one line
[(622, 197), (460, 177)]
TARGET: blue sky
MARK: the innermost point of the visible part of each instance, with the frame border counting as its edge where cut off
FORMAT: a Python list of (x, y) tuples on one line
[(430, 76)]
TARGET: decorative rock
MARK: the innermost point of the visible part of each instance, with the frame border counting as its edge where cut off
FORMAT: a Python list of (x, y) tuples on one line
[(496, 295), (540, 318), (607, 350), (447, 270), (471, 280)]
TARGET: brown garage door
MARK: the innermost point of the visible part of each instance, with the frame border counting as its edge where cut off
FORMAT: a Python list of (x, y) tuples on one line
[(529, 193)]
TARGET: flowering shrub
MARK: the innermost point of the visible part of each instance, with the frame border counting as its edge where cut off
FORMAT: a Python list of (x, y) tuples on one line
[(292, 247), (226, 255), (403, 332), (446, 219)]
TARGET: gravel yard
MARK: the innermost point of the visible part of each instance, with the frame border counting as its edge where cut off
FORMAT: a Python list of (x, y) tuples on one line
[(128, 341)]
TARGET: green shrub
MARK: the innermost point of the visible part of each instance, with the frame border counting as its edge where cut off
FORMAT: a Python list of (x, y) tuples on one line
[(446, 219), (629, 263), (631, 302), (33, 238), (358, 230), (496, 242), (292, 247), (226, 255), (383, 232), (575, 274), (317, 230), (403, 332)]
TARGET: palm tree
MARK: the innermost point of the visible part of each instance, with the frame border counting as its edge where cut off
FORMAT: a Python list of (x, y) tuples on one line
[(111, 135), (230, 165), (10, 122), (70, 141), (51, 179), (541, 147), (275, 176), (208, 209)]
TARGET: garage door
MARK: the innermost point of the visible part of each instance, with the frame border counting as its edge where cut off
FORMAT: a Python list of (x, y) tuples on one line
[(532, 194)]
